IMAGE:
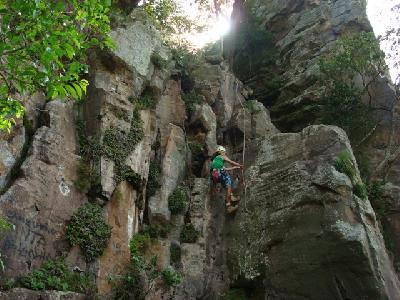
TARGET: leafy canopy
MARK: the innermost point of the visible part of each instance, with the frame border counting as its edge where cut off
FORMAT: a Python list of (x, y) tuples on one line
[(43, 47), (348, 71)]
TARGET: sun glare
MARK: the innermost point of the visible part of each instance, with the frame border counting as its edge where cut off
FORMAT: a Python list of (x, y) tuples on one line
[(383, 16)]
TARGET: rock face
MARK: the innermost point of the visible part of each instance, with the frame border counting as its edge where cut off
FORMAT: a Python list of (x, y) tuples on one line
[(300, 231), (308, 26), (303, 232), (43, 197), (24, 294)]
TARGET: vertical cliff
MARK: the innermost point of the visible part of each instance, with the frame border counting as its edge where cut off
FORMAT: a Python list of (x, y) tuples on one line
[(138, 149)]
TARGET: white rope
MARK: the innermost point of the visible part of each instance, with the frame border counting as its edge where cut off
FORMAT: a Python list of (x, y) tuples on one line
[(244, 145)]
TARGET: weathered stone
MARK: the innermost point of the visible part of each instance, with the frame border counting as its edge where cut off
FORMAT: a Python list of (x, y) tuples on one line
[(170, 109), (203, 264), (205, 116), (299, 209), (136, 42), (309, 27), (123, 215), (12, 144), (173, 170), (254, 120), (25, 294), (43, 198)]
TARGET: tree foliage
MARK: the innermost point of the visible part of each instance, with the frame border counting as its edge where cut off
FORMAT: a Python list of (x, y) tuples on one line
[(43, 47), (168, 15), (348, 71)]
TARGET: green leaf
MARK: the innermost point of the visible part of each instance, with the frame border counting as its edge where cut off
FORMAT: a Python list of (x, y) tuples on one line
[(77, 89), (71, 91)]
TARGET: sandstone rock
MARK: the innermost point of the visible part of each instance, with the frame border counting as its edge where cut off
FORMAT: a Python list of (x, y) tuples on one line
[(43, 198), (173, 170), (136, 42), (303, 231), (123, 215), (25, 294), (307, 26), (205, 116), (203, 264), (11, 144), (170, 109), (254, 120)]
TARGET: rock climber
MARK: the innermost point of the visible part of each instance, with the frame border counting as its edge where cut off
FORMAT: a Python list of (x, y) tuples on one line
[(219, 174)]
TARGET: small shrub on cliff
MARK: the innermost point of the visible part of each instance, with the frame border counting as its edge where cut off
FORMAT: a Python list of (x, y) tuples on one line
[(142, 273), (177, 201), (171, 277), (117, 145), (158, 61), (55, 275), (158, 231), (88, 229), (189, 234), (153, 178), (175, 253), (4, 227), (344, 165), (191, 98), (360, 190), (375, 195)]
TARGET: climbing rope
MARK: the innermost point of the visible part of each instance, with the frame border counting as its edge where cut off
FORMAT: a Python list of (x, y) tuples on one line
[(244, 146)]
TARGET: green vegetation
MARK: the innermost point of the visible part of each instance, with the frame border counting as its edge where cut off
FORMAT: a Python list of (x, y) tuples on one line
[(356, 56), (235, 294), (4, 227), (153, 178), (254, 55), (158, 61), (116, 145), (147, 101), (375, 196), (344, 165), (90, 151), (88, 229), (177, 201), (167, 15), (142, 272), (189, 234), (185, 62), (191, 98), (170, 276), (44, 46), (55, 275), (250, 105), (175, 253), (157, 231)]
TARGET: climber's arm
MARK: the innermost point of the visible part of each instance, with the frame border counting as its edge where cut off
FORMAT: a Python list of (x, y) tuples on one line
[(226, 158)]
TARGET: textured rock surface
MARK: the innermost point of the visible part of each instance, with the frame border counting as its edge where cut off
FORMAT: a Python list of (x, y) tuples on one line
[(25, 294), (203, 263), (12, 144), (254, 121), (308, 26), (172, 172), (123, 216), (43, 197), (306, 234)]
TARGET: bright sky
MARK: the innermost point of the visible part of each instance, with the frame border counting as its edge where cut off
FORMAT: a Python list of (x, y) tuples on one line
[(382, 17), (216, 27)]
